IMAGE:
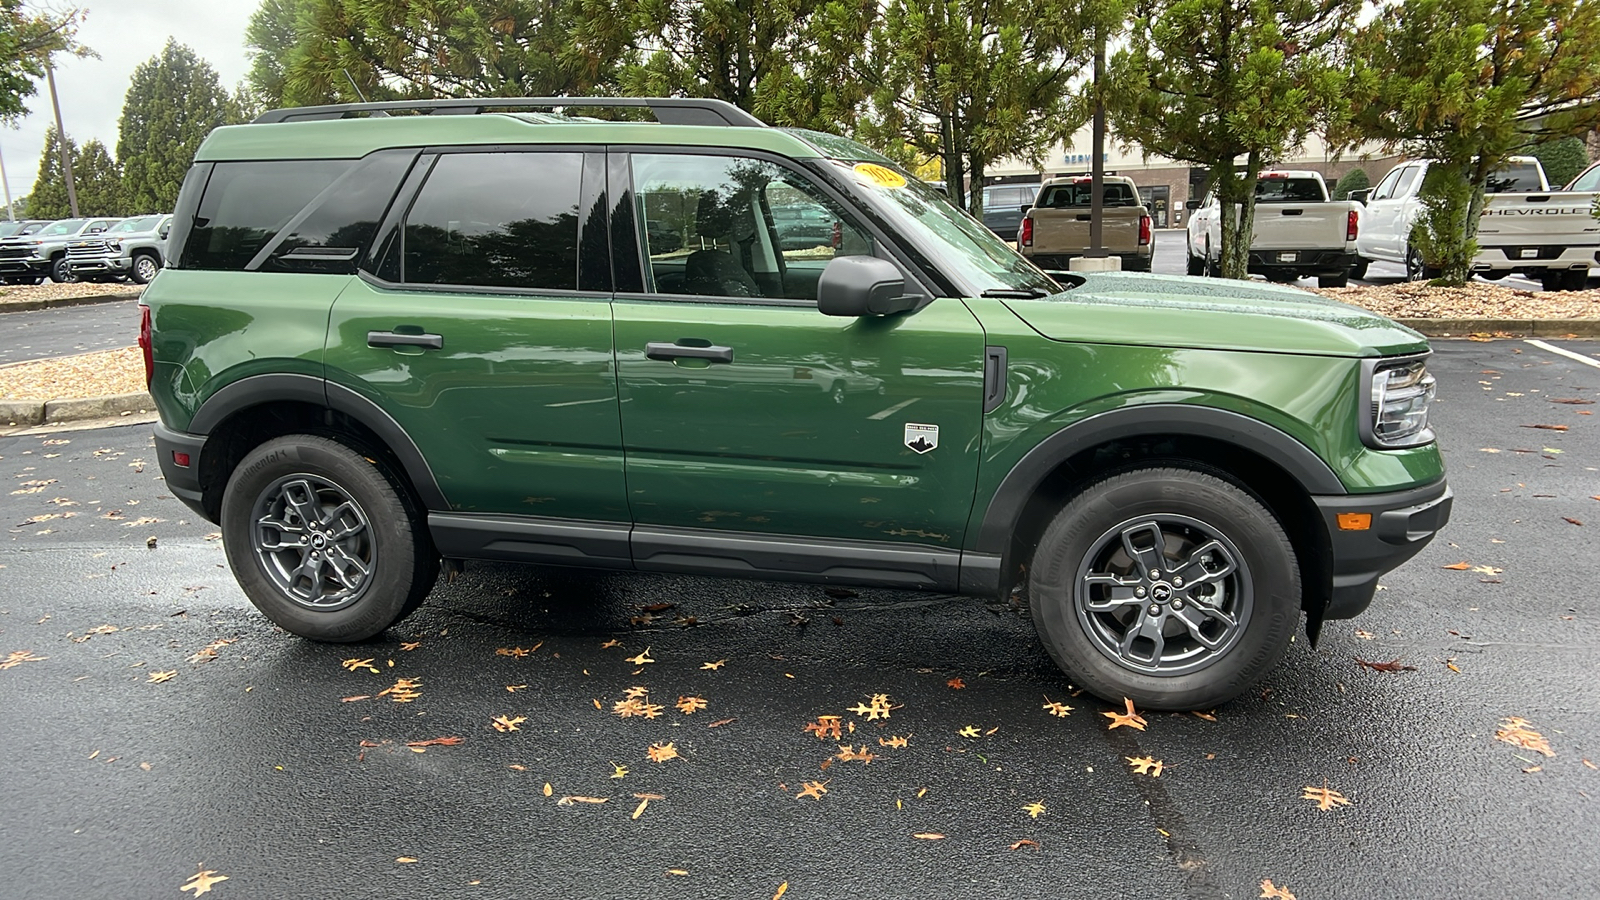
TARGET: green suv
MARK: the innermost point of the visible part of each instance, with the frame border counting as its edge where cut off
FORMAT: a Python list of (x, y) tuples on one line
[(395, 336)]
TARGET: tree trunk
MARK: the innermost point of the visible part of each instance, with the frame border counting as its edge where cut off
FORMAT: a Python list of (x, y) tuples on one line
[(975, 202), (1237, 211), (955, 181)]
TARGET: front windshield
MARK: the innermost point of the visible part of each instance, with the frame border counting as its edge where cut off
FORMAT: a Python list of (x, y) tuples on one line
[(32, 227), (143, 223), (951, 239), (65, 226)]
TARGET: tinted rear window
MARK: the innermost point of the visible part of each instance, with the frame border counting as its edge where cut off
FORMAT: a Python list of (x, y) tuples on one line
[(496, 220), (1289, 190), (1522, 177), (246, 204), (1078, 195)]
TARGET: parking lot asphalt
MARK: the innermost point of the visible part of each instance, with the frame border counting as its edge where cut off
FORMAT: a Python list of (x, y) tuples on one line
[(65, 330), (279, 763)]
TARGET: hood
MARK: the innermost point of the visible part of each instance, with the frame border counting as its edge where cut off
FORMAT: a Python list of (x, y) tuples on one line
[(1212, 314)]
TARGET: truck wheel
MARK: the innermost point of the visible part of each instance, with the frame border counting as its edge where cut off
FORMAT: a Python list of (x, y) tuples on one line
[(1333, 281), (1359, 268), (1575, 280), (1281, 277), (60, 272), (1170, 587), (1416, 269), (145, 268), (326, 543), (1550, 279), (1197, 266)]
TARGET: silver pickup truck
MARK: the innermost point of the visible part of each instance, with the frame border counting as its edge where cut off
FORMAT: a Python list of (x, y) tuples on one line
[(28, 258), (135, 248)]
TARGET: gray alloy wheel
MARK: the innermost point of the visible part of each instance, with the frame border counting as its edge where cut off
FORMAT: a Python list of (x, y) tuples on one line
[(60, 271), (313, 541), (1416, 270), (1164, 595), (144, 268)]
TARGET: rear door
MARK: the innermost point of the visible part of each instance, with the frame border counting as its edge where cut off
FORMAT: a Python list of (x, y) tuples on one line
[(482, 325), (754, 421)]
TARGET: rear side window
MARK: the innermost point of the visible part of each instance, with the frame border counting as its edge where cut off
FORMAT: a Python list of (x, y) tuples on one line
[(246, 204), (1078, 195), (329, 235), (496, 220), (1516, 177), (1288, 190)]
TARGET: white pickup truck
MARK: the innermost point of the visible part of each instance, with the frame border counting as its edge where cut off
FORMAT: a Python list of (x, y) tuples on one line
[(1526, 227), (1298, 231)]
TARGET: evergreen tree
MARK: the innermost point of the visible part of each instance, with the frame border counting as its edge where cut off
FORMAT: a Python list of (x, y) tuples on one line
[(173, 102), (1353, 180), (27, 38), (48, 200), (1562, 159), (1469, 84), (99, 182), (1214, 82), (271, 37)]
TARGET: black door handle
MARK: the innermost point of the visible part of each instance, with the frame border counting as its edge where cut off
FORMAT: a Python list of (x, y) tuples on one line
[(665, 351), (393, 339)]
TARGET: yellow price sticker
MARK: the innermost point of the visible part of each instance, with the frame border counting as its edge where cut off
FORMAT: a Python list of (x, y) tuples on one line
[(882, 176)]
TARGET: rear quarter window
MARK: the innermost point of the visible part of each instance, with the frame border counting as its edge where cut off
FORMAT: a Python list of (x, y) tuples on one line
[(246, 204)]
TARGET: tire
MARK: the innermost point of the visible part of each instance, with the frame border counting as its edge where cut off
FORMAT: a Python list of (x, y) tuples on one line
[(60, 272), (1416, 269), (144, 268), (1550, 280), (1280, 277), (1575, 280), (1212, 269), (1359, 269), (385, 529), (1493, 274), (1193, 510), (1333, 281), (1197, 266)]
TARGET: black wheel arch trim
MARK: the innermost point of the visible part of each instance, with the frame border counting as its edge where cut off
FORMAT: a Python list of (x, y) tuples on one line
[(1024, 479), (255, 390)]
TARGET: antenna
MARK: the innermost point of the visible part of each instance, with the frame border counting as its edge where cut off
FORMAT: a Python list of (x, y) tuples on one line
[(353, 85)]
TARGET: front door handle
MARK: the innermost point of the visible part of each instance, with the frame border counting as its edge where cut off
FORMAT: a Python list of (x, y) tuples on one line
[(664, 351), (395, 339)]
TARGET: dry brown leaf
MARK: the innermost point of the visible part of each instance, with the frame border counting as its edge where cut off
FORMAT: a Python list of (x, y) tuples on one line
[(1034, 809), (404, 690), (355, 698), (18, 657), (847, 754), (405, 860), (1589, 764), (1268, 889), (1130, 718), (877, 708), (825, 727), (659, 752), (642, 658), (1393, 665), (1056, 708), (721, 722), (1518, 732), (812, 789), (450, 741), (611, 643), (1571, 521), (1459, 567), (411, 645), (162, 677), (548, 790), (893, 741), (782, 889), (713, 666), (689, 705), (354, 664), (1324, 797), (677, 872), (971, 731), (928, 836), (1025, 843), (201, 882), (644, 800), (955, 684), (507, 723), (571, 799), (1547, 427), (1144, 765)]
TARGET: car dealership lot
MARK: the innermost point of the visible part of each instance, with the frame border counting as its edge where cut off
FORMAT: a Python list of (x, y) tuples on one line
[(257, 768)]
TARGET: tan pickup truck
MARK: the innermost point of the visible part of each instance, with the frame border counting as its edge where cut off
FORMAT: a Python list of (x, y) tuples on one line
[(1056, 228)]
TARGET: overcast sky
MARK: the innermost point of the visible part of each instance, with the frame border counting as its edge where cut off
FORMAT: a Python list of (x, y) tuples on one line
[(125, 33)]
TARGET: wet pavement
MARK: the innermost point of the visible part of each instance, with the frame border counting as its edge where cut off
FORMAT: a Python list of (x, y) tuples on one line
[(66, 330), (254, 761)]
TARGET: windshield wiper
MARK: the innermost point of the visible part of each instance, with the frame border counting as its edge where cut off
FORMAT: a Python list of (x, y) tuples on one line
[(1014, 293)]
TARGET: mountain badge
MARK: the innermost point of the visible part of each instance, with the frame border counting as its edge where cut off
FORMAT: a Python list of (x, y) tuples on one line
[(922, 438)]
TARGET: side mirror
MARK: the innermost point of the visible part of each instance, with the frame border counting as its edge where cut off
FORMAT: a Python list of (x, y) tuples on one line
[(165, 230), (1361, 196), (1025, 207), (862, 286), (1191, 204)]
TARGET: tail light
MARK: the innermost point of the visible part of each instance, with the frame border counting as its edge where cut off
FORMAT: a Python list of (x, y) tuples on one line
[(1351, 226), (145, 344), (1144, 230), (1025, 236)]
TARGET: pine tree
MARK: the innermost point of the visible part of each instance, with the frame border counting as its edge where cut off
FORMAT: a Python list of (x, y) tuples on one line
[(99, 182), (48, 200), (271, 37), (173, 102), (1353, 180)]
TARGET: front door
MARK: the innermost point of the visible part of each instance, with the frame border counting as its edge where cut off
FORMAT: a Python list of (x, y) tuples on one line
[(747, 411), (487, 338)]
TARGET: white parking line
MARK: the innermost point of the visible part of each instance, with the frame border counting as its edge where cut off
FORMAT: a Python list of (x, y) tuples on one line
[(1560, 351), (892, 410)]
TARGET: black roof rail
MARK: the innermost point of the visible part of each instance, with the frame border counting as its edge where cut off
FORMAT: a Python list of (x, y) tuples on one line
[(668, 110)]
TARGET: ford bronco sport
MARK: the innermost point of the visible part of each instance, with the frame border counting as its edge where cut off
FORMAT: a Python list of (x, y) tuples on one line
[(395, 335)]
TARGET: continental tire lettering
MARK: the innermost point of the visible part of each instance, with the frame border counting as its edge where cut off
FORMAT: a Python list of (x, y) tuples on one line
[(270, 458)]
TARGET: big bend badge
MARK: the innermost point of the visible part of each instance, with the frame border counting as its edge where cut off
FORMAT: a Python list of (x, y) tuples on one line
[(922, 438)]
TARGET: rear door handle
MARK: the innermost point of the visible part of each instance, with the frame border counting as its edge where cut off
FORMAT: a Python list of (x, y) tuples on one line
[(394, 339), (666, 351)]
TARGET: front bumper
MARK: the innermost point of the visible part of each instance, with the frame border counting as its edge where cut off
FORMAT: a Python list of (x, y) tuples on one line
[(113, 264), (1403, 522), (183, 481), (26, 265)]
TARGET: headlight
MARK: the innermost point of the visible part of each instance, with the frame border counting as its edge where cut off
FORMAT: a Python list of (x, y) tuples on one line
[(114, 245), (1398, 393)]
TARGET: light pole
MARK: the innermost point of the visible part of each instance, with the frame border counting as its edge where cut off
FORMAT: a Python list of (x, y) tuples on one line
[(61, 139), (11, 208)]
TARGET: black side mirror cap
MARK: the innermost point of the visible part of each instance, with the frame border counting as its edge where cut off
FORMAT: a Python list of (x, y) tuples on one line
[(1191, 204), (862, 286), (1361, 195)]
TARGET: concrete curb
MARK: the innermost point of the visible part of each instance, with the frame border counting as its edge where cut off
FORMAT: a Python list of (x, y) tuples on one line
[(31, 305), (28, 413), (1538, 328)]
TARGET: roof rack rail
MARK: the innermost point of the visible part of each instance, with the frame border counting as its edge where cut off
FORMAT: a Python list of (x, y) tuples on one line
[(668, 110)]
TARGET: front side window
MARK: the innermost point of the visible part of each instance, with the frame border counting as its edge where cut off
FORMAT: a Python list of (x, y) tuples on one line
[(496, 220), (1385, 188), (134, 226), (1408, 179), (246, 204), (65, 226), (718, 226)]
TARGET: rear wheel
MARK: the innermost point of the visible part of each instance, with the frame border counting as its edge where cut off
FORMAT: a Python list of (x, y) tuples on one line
[(1359, 268), (1575, 280), (1333, 281), (1282, 277), (324, 541), (1170, 587)]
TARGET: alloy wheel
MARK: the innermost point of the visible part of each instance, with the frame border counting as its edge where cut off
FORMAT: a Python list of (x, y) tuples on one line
[(313, 541)]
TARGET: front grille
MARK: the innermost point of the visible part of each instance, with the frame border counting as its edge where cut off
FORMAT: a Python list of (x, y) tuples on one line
[(87, 250), (14, 252)]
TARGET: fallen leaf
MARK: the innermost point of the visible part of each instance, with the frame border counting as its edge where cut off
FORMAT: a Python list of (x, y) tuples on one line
[(1459, 567), (618, 771), (354, 664), (408, 646), (507, 723), (405, 860), (160, 677), (1518, 732), (436, 742), (404, 690), (1145, 765), (1025, 843), (721, 722), (355, 698), (547, 789), (928, 836), (1487, 570), (1393, 665), (878, 709), (513, 688), (689, 705), (825, 727), (611, 643), (1204, 716), (1589, 764), (1324, 797), (201, 882), (971, 731), (1057, 709), (1268, 889), (659, 752), (782, 889), (1532, 769), (677, 871), (1547, 427), (569, 800), (644, 800), (1571, 521), (894, 741), (713, 666), (812, 789), (955, 684), (848, 754), (642, 658), (1130, 718), (18, 657), (1034, 809)]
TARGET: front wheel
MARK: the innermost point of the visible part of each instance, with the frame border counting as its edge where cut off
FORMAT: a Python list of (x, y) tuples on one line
[(1417, 269), (144, 269), (324, 541), (1170, 587), (60, 271)]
